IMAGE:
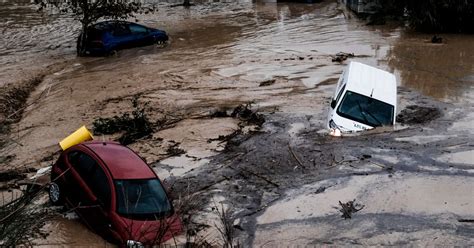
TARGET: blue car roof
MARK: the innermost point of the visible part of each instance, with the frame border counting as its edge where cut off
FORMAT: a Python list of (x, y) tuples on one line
[(106, 25)]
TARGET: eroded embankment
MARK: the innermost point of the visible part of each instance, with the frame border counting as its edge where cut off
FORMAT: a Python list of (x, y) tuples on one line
[(15, 99)]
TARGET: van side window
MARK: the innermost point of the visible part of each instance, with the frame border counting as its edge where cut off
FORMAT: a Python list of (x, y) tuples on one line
[(340, 92)]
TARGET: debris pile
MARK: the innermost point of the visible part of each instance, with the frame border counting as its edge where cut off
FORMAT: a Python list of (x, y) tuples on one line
[(341, 56), (21, 219), (414, 114), (436, 39), (9, 175), (244, 113), (348, 208), (134, 126), (267, 82), (174, 150)]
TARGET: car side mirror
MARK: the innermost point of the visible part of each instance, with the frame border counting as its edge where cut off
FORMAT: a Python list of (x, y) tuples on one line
[(333, 103)]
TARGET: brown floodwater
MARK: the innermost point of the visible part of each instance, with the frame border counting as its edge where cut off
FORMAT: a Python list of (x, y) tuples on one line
[(249, 37), (443, 71), (222, 48)]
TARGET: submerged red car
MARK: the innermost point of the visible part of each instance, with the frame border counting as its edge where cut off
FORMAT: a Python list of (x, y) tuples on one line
[(115, 193)]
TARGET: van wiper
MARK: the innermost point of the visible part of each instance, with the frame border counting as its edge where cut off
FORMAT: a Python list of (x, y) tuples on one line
[(362, 112), (375, 118)]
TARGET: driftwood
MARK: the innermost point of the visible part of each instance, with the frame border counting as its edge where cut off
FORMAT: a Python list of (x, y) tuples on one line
[(295, 157), (348, 208), (466, 220)]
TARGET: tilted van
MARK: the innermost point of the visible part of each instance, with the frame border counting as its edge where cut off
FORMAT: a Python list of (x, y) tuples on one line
[(365, 98)]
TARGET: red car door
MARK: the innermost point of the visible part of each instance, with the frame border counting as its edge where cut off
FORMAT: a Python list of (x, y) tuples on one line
[(77, 193), (93, 192)]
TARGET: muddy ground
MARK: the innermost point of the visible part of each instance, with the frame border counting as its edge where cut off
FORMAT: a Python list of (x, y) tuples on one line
[(282, 179)]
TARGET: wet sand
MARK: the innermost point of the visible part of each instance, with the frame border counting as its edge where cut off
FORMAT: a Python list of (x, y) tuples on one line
[(218, 56)]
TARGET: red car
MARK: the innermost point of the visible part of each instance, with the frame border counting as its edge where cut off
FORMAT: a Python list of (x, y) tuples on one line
[(115, 193)]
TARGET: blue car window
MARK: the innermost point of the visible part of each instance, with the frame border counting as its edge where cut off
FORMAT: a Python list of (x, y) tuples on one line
[(137, 29), (94, 34), (120, 30)]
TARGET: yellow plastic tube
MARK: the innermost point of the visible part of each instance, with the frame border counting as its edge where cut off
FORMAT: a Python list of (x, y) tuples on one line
[(79, 136)]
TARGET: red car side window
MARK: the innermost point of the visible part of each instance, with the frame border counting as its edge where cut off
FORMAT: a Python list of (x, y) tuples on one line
[(82, 163), (99, 184), (93, 176)]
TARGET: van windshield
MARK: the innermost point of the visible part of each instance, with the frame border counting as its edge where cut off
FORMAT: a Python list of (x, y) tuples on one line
[(366, 110), (142, 199)]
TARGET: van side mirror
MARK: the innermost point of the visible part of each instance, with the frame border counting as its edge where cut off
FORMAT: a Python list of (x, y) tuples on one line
[(333, 103)]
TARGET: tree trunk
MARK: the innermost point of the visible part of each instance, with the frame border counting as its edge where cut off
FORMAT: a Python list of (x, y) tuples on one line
[(81, 41)]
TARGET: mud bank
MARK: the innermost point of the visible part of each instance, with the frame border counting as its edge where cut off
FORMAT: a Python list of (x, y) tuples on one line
[(285, 187)]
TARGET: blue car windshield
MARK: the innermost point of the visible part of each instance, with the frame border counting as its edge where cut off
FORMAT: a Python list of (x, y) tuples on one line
[(366, 110), (142, 199)]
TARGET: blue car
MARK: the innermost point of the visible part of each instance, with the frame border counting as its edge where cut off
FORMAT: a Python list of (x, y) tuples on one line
[(106, 37)]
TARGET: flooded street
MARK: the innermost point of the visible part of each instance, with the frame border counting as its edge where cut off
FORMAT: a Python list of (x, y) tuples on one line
[(414, 180)]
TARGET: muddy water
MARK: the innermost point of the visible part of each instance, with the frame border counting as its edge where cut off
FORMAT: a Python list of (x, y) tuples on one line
[(260, 40), (30, 40), (444, 71), (218, 55)]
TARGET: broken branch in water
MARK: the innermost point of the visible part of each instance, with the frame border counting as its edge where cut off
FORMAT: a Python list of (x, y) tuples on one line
[(348, 208), (295, 157), (256, 175), (466, 220)]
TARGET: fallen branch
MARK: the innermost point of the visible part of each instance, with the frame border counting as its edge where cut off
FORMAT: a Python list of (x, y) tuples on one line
[(32, 195), (259, 176), (212, 184), (466, 220), (348, 208), (296, 158)]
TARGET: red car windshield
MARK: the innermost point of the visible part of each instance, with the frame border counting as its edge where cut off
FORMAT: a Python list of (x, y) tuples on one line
[(142, 199)]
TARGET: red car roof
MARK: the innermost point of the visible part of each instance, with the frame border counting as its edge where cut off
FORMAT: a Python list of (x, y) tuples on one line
[(122, 162)]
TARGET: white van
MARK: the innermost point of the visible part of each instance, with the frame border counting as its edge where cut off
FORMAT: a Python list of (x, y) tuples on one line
[(365, 98)]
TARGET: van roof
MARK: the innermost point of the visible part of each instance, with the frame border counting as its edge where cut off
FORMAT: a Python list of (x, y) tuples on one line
[(368, 80)]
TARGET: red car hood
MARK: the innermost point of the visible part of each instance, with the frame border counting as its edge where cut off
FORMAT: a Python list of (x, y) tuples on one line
[(151, 232)]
